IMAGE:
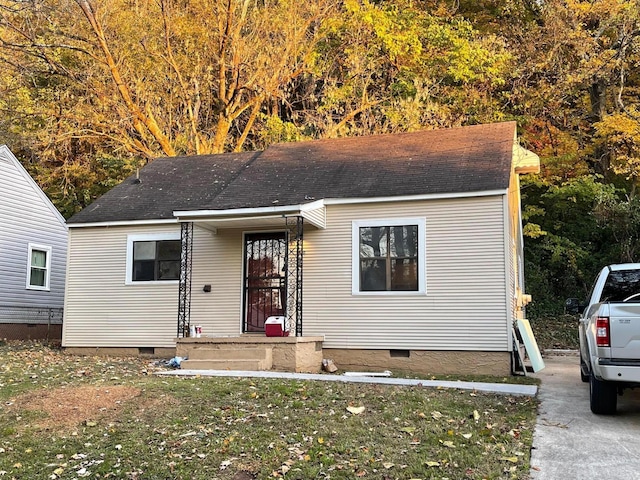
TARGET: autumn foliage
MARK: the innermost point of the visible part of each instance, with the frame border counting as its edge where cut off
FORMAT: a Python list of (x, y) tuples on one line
[(92, 89)]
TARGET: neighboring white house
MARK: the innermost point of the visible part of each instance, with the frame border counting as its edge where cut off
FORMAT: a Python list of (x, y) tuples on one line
[(400, 251), (33, 256)]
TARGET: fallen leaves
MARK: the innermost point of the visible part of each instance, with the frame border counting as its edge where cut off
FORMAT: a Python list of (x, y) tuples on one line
[(355, 410), (509, 459), (248, 429)]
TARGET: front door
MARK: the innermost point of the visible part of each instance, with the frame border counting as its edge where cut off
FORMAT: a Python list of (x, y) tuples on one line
[(265, 278)]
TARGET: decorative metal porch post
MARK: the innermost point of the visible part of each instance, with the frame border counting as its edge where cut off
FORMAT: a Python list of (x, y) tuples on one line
[(295, 226), (184, 286)]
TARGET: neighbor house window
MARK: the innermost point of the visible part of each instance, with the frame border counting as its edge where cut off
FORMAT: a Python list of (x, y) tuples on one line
[(39, 267), (153, 258), (388, 256)]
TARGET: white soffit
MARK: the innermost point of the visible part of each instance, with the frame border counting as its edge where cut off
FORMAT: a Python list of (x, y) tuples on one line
[(313, 213)]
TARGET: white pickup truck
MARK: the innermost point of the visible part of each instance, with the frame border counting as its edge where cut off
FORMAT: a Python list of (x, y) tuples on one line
[(609, 332)]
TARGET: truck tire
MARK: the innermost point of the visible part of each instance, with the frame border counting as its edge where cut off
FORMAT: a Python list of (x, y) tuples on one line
[(603, 396)]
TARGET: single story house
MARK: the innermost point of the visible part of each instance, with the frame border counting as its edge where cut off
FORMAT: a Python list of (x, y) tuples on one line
[(399, 251), (33, 256)]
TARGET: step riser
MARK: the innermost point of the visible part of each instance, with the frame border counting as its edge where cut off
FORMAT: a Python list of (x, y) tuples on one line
[(229, 359), (252, 365), (228, 354)]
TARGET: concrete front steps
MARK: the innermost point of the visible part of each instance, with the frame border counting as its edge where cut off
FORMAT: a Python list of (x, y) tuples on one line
[(251, 352), (229, 358)]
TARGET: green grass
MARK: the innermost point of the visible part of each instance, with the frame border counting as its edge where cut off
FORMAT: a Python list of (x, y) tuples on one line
[(61, 417)]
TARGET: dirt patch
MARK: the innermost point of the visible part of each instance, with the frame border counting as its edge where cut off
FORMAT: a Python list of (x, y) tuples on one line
[(65, 407)]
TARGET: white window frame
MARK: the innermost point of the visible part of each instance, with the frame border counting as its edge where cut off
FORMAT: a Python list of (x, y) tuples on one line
[(42, 248), (395, 222), (146, 237)]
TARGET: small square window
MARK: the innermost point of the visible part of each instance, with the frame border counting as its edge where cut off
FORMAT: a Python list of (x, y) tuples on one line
[(156, 260), (153, 258)]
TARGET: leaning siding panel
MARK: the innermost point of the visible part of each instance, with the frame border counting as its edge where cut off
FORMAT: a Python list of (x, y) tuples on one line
[(100, 310), (465, 304)]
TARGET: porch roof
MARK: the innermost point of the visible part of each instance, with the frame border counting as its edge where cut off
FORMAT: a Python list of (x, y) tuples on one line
[(276, 216)]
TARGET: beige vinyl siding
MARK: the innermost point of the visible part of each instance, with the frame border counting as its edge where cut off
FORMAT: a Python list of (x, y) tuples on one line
[(217, 261), (516, 254), (100, 310), (465, 304), (512, 272)]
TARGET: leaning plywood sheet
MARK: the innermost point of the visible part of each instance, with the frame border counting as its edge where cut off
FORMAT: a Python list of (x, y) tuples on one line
[(530, 344)]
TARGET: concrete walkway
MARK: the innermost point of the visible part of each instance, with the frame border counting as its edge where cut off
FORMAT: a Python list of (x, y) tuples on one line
[(504, 388), (570, 442)]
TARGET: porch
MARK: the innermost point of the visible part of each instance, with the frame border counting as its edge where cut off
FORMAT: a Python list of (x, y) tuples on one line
[(251, 352), (272, 262)]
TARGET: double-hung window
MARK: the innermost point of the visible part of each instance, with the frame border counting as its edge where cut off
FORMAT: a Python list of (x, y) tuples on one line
[(389, 256), (39, 267), (153, 258)]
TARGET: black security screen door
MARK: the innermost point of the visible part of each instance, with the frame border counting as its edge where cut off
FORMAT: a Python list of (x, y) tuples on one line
[(265, 278)]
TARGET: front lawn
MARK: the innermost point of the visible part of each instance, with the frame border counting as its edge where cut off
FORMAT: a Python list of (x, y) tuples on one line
[(86, 417)]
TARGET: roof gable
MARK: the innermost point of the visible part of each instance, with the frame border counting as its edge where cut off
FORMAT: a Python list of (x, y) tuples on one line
[(7, 156), (457, 160)]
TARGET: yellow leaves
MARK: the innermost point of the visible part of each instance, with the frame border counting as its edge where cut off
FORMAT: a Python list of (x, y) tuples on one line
[(509, 459), (620, 135), (533, 230)]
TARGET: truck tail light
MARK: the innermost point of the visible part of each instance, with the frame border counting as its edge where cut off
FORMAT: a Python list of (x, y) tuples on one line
[(602, 332)]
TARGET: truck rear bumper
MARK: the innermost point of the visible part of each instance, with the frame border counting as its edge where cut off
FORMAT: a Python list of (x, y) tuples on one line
[(617, 373)]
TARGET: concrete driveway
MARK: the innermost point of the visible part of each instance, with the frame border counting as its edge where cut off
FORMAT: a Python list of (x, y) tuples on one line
[(570, 442)]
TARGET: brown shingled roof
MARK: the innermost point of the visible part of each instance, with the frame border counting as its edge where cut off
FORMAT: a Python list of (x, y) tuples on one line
[(457, 160)]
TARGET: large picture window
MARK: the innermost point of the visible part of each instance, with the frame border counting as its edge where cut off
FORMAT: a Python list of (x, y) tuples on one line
[(389, 256), (153, 258), (39, 267)]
